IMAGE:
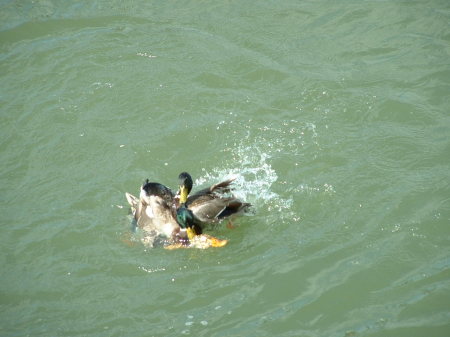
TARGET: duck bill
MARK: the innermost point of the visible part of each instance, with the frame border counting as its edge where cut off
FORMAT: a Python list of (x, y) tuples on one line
[(183, 194), (190, 233)]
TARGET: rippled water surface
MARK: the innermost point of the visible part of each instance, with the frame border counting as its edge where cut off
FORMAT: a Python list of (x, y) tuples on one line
[(334, 116)]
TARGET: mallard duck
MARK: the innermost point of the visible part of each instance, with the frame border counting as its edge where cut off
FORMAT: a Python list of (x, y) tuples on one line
[(155, 211), (209, 205)]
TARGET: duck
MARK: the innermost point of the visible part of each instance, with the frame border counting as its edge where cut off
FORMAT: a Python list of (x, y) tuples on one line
[(210, 205), (154, 212), (161, 215)]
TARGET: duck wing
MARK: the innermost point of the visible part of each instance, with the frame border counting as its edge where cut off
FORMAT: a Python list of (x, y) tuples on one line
[(214, 191), (216, 209), (133, 202), (215, 203)]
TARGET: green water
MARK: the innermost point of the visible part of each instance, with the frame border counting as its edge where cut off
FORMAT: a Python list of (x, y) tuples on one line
[(333, 114)]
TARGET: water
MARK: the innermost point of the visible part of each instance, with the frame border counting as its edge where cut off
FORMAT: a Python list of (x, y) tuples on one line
[(333, 115)]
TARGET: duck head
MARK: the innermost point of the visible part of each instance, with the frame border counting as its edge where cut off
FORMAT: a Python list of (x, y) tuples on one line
[(185, 186), (187, 220)]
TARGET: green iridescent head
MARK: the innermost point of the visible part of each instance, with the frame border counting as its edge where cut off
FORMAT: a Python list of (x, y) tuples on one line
[(187, 220)]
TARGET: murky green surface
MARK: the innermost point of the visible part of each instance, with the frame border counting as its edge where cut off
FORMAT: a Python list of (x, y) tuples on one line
[(335, 115)]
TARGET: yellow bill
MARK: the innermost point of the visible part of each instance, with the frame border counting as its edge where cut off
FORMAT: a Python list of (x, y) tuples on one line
[(183, 194)]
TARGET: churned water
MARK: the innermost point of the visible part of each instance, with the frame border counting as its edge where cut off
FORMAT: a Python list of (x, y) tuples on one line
[(333, 115)]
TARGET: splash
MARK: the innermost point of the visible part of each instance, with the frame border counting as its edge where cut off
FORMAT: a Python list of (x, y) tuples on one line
[(251, 149), (254, 178)]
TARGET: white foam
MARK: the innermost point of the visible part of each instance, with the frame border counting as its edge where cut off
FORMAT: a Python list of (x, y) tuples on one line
[(254, 177)]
